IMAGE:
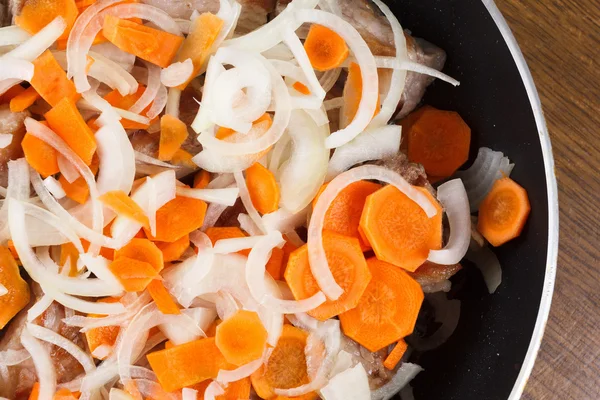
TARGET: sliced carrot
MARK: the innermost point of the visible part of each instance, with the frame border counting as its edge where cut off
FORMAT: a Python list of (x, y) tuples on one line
[(36, 14), (302, 88), (66, 394), (177, 218), (11, 93), (201, 179), (35, 392), (396, 354), (307, 396), (439, 140), (504, 211), (133, 274), (348, 266), (275, 266), (123, 205), (187, 364), (104, 335), (388, 309), (241, 338), (286, 367), (198, 43), (343, 215), (287, 248), (238, 390), (325, 48), (174, 250), (212, 329), (173, 133), (162, 298), (69, 252), (18, 290), (66, 121), (77, 190), (23, 100), (152, 45), (40, 155), (353, 93), (263, 188), (226, 232), (398, 229), (125, 102), (142, 250), (13, 249), (51, 82), (183, 158)]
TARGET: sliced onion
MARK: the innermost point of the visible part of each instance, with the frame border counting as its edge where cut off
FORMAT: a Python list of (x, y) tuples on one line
[(279, 154), (13, 357), (173, 101), (247, 201), (332, 104), (11, 69), (141, 157), (112, 52), (118, 394), (46, 374), (489, 265), (5, 140), (293, 42), (319, 116), (67, 169), (226, 305), (329, 78), (227, 376), (159, 103), (54, 187), (318, 262), (447, 314), (213, 390), (99, 266), (39, 307), (352, 383), (188, 394), (374, 144), (177, 73), (13, 35), (3, 290), (284, 221), (102, 352), (247, 225), (220, 196), (152, 87), (46, 229), (453, 197), (117, 159), (18, 188), (114, 75), (404, 375), (233, 245), (182, 329)]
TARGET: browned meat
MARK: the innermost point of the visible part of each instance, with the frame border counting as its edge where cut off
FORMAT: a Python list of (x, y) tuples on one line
[(184, 8), (8, 8), (11, 123), (372, 362), (413, 173), (430, 274)]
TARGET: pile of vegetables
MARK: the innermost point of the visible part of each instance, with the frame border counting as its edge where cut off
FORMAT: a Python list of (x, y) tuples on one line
[(176, 302)]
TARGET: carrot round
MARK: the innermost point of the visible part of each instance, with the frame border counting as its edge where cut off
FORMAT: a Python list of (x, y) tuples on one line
[(439, 140), (241, 338), (343, 215), (36, 14), (388, 309), (325, 48), (173, 133), (134, 275), (201, 179), (178, 218), (162, 298), (504, 211), (286, 367), (142, 250), (104, 335), (238, 390), (120, 203), (174, 250), (263, 188), (18, 290), (348, 266), (395, 355), (40, 155), (398, 229)]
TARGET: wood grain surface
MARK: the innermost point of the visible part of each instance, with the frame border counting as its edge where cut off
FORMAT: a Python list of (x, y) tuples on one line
[(561, 42)]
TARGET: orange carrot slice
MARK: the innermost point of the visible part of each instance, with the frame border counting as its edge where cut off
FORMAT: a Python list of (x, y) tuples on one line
[(439, 140), (125, 102), (218, 233), (40, 155), (187, 364), (66, 121), (275, 266), (36, 14), (68, 252), (504, 211), (212, 329), (123, 205), (142, 250), (398, 229), (51, 82), (325, 48), (388, 309), (18, 290), (348, 266), (23, 100), (11, 94), (263, 188), (198, 43), (396, 354), (353, 93), (201, 179), (173, 133), (183, 158), (174, 250), (152, 45), (66, 394), (238, 390), (134, 275), (78, 190), (241, 338), (162, 298), (104, 335), (302, 88), (178, 218)]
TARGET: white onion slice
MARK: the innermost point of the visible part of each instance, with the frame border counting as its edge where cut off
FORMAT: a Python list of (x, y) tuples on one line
[(293, 42), (5, 140), (334, 103), (351, 384), (39, 307), (144, 158), (67, 170), (404, 375), (177, 73), (46, 229), (118, 394), (284, 221), (374, 144), (159, 103), (117, 160), (213, 390), (188, 394), (113, 74), (329, 78), (316, 253), (173, 101), (11, 68), (392, 62), (489, 265), (54, 187), (13, 357), (112, 52), (247, 201), (454, 199), (233, 245), (151, 91), (247, 225), (3, 290), (44, 368), (181, 328), (227, 376), (12, 35), (226, 197)]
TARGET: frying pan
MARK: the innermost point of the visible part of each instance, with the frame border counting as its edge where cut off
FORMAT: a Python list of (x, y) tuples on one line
[(491, 353)]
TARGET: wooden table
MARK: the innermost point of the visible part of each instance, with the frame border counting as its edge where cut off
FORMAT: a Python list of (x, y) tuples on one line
[(561, 42)]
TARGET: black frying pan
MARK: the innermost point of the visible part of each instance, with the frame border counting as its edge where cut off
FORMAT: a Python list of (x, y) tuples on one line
[(489, 356)]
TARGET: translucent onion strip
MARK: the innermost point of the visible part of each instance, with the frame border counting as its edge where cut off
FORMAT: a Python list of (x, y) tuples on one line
[(44, 368), (13, 357), (13, 35), (177, 73), (226, 197), (151, 91)]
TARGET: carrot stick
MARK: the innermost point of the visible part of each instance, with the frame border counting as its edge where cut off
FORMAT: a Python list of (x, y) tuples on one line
[(178, 218), (286, 367), (343, 215), (174, 250), (439, 140), (23, 100), (142, 250), (152, 45), (241, 338), (125, 102), (18, 290), (51, 82), (377, 321), (198, 43), (173, 133), (123, 205), (325, 48), (275, 266), (349, 268), (40, 155), (263, 188), (133, 274), (104, 335), (302, 88), (353, 93), (395, 356), (201, 179), (162, 298), (36, 14), (223, 133), (504, 211), (187, 364), (11, 94), (66, 121), (398, 229)]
